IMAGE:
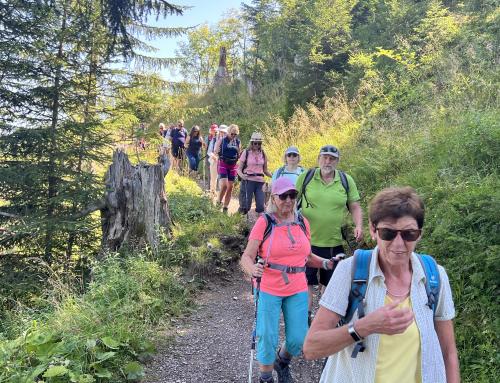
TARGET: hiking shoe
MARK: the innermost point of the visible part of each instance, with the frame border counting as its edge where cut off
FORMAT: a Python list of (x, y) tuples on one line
[(224, 210), (283, 371), (266, 381)]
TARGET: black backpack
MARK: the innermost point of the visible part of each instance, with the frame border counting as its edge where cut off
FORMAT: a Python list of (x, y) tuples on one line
[(308, 178)]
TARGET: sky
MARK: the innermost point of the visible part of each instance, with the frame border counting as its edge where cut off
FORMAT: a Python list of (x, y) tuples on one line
[(202, 11)]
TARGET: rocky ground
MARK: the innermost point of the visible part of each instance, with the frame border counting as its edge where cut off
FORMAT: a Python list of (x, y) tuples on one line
[(213, 344)]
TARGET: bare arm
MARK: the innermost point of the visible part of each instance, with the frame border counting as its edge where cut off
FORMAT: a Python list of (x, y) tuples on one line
[(446, 335), (357, 217), (186, 144), (247, 262), (217, 148), (242, 175), (266, 171), (323, 338)]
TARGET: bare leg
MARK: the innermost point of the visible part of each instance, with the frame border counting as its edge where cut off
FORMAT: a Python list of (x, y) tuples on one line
[(223, 187), (229, 190)]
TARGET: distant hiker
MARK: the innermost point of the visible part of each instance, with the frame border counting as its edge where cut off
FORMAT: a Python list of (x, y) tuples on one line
[(252, 166), (193, 145), (178, 136), (161, 129), (281, 238), (211, 158), (142, 139), (403, 330), (291, 168), (324, 195), (228, 150)]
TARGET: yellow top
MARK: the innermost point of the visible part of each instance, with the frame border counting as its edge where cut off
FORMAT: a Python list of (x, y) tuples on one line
[(399, 356)]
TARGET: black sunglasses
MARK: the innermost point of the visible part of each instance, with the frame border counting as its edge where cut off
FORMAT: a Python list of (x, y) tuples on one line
[(292, 155), (292, 195), (329, 149), (389, 234), (257, 143)]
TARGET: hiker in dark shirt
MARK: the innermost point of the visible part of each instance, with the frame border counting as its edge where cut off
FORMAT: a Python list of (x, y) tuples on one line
[(194, 143), (178, 136)]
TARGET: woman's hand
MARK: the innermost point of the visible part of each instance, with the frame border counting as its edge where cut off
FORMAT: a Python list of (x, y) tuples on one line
[(258, 270), (388, 320)]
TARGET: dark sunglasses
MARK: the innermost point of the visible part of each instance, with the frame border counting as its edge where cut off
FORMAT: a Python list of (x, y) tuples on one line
[(292, 155), (233, 134), (257, 143), (389, 234), (292, 195), (328, 149)]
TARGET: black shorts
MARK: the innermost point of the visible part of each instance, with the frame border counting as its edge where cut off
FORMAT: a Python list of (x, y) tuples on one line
[(178, 151), (324, 275)]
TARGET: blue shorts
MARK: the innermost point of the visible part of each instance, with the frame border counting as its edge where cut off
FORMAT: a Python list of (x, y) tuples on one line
[(294, 310)]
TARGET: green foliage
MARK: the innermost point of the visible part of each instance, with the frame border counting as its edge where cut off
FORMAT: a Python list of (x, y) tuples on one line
[(100, 335)]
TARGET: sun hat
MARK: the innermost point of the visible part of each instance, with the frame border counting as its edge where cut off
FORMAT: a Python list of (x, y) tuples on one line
[(256, 137), (282, 185), (329, 150), (292, 149), (222, 128)]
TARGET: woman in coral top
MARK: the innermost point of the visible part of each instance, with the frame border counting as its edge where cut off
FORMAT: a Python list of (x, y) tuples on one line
[(283, 287)]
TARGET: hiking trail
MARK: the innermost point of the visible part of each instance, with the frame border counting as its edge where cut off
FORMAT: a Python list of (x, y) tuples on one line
[(213, 344)]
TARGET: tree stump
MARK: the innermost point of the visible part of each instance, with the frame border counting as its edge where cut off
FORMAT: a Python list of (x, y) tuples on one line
[(136, 209)]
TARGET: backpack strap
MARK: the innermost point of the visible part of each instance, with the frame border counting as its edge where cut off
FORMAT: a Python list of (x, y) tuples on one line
[(309, 176), (245, 161), (432, 280), (280, 172), (270, 222), (359, 284), (343, 180)]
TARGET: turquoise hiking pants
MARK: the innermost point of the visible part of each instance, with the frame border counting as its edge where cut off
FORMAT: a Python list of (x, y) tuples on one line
[(294, 310)]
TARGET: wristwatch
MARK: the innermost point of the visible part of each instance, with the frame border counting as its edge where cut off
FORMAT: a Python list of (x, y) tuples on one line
[(325, 264), (353, 333)]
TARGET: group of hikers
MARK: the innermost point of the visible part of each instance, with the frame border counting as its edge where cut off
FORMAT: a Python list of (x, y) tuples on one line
[(385, 314)]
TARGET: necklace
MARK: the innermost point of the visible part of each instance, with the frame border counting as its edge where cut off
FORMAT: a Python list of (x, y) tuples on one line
[(398, 295)]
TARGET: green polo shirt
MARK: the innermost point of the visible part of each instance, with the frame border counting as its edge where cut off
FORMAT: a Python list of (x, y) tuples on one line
[(327, 206)]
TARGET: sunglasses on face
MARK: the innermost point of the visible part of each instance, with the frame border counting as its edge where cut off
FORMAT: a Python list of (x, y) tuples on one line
[(387, 234), (292, 195), (292, 155), (328, 149), (257, 143), (233, 134)]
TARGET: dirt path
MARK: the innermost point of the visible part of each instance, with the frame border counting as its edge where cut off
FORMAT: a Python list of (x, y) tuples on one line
[(213, 345)]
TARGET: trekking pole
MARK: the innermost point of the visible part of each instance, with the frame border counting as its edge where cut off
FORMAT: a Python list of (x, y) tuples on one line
[(254, 331)]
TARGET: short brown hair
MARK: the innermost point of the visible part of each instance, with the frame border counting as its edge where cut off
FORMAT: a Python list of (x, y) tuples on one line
[(394, 203)]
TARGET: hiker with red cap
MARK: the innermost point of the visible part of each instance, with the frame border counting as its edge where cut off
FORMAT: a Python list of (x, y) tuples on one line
[(281, 240)]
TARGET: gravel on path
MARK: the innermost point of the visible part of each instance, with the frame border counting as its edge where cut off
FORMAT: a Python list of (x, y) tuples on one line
[(213, 344)]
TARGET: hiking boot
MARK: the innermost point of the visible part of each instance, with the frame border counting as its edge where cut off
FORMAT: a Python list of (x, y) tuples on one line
[(266, 381), (283, 371)]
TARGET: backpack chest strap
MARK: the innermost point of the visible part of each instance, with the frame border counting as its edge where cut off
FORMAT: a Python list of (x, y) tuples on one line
[(286, 270)]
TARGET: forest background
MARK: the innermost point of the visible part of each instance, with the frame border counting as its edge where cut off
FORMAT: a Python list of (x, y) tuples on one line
[(408, 90)]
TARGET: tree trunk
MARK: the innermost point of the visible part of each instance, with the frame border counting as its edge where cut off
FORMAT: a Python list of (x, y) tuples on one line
[(136, 211)]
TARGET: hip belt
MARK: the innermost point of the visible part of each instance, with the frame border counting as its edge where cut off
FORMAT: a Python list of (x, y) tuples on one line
[(286, 270)]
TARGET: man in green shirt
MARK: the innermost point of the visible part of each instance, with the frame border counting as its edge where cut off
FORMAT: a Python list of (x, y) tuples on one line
[(324, 204)]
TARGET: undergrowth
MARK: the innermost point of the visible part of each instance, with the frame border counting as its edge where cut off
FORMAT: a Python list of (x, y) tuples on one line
[(104, 334)]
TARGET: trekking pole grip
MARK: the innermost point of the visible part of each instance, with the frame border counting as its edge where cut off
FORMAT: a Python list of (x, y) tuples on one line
[(261, 262)]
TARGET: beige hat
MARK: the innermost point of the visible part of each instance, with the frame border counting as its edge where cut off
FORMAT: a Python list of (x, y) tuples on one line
[(256, 137)]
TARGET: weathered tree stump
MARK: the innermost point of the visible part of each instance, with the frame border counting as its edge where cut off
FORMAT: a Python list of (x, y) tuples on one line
[(136, 209)]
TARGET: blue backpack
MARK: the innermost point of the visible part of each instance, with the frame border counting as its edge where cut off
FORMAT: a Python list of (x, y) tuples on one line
[(360, 276)]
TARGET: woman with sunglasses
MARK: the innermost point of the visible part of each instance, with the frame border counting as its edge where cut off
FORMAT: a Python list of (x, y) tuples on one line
[(291, 168), (283, 285), (404, 339), (228, 151), (252, 167)]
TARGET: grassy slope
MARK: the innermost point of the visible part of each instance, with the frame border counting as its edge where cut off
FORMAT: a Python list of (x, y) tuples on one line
[(104, 334)]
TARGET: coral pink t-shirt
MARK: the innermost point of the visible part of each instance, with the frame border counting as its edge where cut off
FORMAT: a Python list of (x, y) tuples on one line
[(284, 252)]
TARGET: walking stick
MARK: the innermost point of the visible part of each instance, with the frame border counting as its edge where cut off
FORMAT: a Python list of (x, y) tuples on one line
[(254, 332)]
